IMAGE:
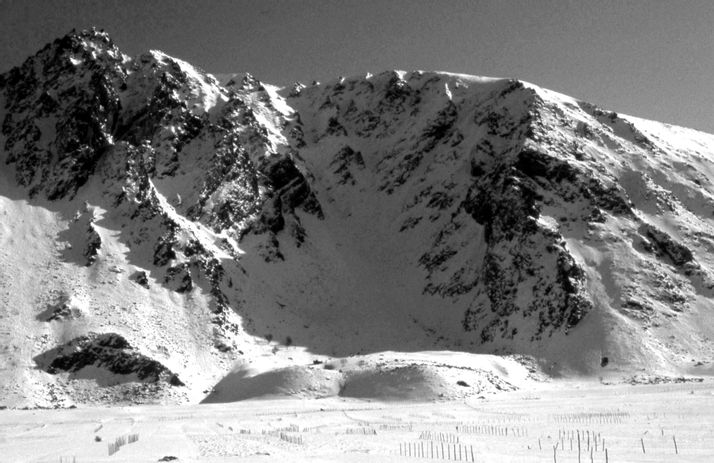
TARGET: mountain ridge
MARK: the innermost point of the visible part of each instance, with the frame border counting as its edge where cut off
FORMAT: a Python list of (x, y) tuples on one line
[(207, 224)]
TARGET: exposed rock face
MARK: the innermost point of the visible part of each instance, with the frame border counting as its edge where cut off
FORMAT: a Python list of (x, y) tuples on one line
[(94, 243), (469, 161), (663, 245), (62, 107), (141, 278), (108, 351), (61, 309), (397, 211)]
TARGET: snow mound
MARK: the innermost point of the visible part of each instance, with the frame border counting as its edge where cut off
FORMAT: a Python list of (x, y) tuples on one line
[(297, 381), (385, 376), (419, 382)]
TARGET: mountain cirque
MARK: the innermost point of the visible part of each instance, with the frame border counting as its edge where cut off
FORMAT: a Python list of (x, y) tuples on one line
[(163, 233)]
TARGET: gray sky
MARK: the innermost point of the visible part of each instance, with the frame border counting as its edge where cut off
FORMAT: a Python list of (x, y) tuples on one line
[(653, 59)]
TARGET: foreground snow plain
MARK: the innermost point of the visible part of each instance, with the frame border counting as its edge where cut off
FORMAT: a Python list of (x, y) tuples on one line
[(519, 426)]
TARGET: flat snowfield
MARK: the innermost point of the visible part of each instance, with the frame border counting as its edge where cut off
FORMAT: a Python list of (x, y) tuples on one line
[(619, 423)]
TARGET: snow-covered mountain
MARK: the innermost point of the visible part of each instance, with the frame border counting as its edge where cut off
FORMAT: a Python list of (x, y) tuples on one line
[(159, 227)]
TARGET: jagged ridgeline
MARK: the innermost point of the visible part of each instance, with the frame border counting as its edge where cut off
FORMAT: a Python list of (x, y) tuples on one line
[(185, 220)]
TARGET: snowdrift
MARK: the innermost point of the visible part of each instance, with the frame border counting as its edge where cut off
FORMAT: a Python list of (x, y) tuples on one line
[(386, 376)]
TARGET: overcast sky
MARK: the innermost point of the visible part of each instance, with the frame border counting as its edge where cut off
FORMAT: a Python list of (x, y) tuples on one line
[(653, 59)]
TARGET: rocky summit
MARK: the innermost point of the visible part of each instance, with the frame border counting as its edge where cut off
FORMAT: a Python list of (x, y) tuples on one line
[(160, 227)]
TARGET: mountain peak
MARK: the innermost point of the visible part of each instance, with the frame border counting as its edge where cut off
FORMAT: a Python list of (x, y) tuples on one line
[(74, 49)]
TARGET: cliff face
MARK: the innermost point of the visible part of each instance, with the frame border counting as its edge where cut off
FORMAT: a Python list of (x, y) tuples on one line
[(538, 223), (145, 202)]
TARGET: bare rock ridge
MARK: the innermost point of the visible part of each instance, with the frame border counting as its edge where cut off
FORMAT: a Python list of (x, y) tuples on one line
[(177, 225)]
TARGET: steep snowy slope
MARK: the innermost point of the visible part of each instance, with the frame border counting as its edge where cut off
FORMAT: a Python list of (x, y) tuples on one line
[(159, 227)]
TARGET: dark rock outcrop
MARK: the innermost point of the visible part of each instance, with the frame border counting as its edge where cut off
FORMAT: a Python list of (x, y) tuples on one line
[(108, 351)]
